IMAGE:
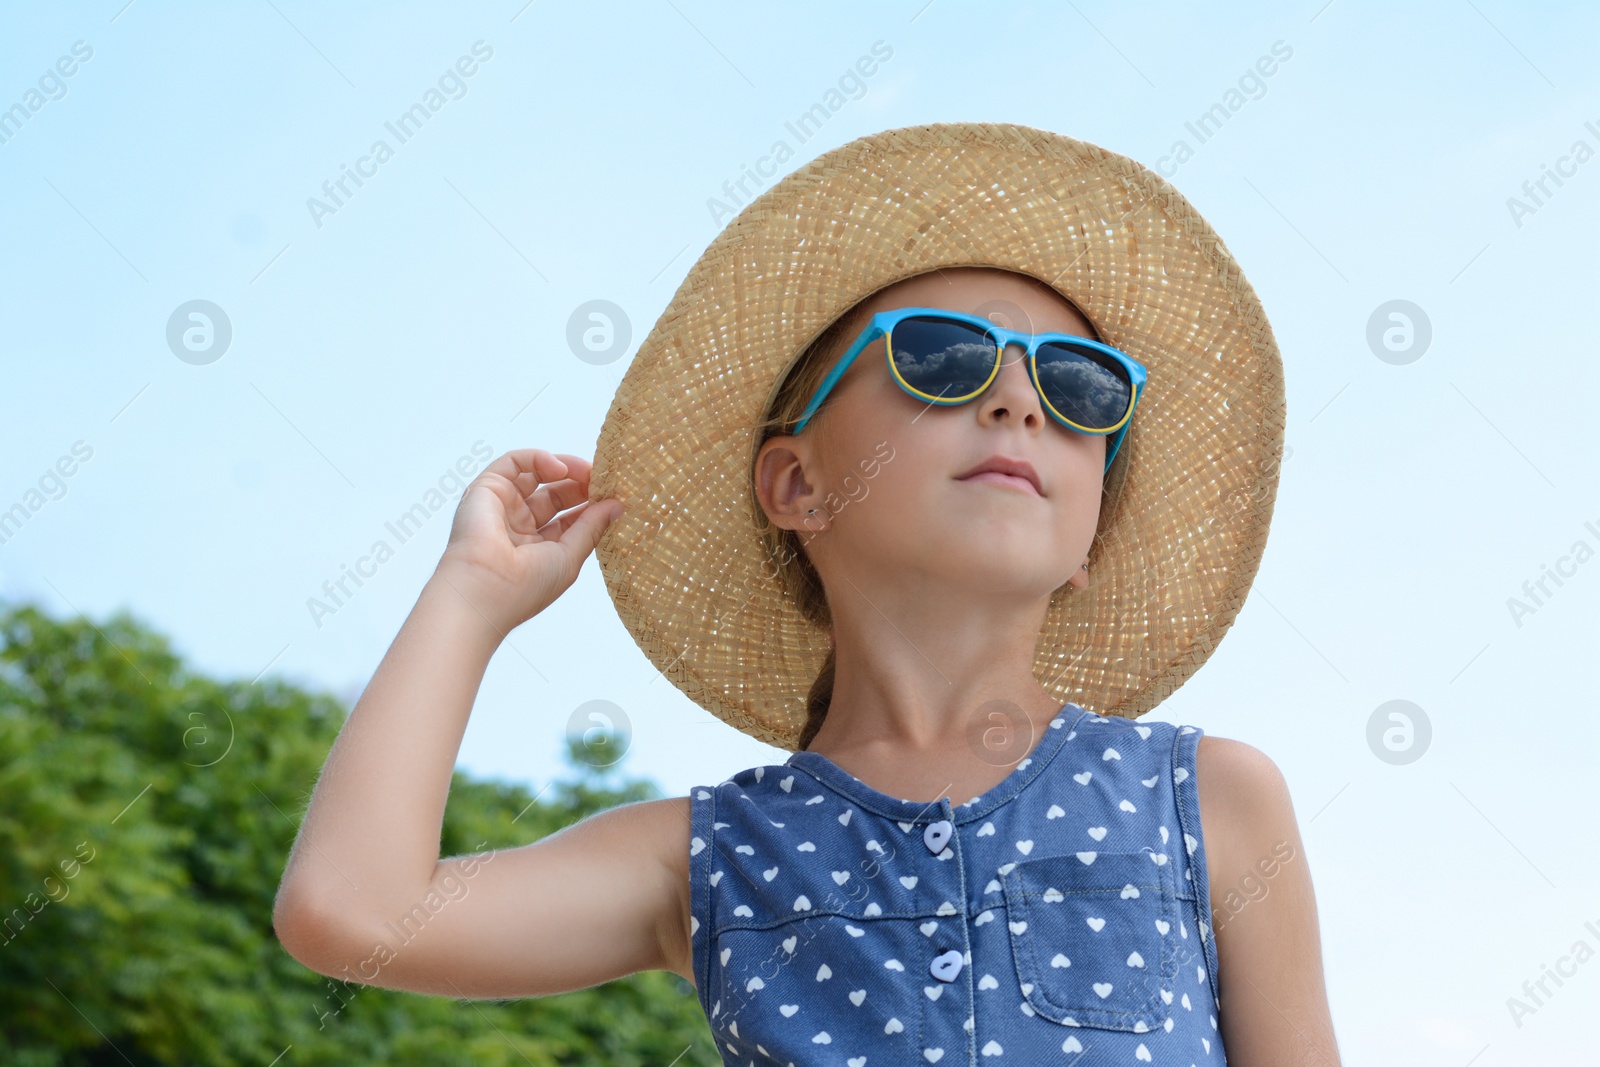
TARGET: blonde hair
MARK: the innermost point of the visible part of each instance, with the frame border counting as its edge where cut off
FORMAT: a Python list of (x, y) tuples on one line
[(786, 548)]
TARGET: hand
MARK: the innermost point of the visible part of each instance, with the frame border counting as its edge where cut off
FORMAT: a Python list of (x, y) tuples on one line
[(509, 553)]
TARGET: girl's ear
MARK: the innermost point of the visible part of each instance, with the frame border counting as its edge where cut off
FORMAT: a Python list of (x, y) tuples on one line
[(1080, 577), (781, 484)]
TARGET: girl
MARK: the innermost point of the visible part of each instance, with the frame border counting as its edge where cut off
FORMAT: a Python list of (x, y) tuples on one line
[(956, 864)]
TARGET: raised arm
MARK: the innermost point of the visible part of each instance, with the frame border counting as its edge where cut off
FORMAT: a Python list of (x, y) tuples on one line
[(365, 895)]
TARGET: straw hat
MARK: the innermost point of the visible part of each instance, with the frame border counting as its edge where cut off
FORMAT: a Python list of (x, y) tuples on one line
[(1189, 496)]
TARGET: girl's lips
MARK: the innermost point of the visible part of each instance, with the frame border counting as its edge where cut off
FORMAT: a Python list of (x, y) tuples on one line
[(1003, 479)]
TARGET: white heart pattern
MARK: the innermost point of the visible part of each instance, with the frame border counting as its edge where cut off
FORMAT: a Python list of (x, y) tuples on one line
[(1031, 907)]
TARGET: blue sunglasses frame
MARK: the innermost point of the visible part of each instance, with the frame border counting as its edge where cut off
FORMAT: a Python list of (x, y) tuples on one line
[(883, 323)]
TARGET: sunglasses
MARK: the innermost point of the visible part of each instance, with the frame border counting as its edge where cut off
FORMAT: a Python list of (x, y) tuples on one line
[(950, 357)]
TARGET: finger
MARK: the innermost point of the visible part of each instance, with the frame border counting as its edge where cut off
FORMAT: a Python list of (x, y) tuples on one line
[(578, 469), (532, 463), (549, 499), (529, 510), (583, 532), (556, 529)]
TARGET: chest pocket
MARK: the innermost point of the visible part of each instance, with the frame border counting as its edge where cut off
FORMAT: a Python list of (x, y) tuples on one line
[(1094, 943), (859, 986)]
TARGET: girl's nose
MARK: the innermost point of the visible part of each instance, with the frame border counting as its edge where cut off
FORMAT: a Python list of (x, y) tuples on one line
[(1013, 386)]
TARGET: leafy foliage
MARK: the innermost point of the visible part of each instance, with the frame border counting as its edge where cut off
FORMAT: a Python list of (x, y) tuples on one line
[(147, 814)]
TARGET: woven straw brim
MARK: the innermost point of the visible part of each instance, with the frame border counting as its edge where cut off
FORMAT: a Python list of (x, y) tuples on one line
[(1180, 540)]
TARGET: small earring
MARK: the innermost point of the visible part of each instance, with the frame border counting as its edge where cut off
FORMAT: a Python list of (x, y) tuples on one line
[(1085, 565)]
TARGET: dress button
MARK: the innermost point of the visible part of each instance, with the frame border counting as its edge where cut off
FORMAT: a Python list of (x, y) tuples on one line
[(937, 835), (946, 965)]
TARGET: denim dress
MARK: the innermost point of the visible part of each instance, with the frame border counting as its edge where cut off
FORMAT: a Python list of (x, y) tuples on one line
[(1060, 917)]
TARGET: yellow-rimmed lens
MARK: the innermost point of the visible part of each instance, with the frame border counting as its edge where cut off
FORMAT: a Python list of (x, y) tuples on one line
[(1085, 387), (941, 359)]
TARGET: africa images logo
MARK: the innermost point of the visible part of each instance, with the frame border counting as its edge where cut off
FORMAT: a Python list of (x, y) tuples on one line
[(404, 128)]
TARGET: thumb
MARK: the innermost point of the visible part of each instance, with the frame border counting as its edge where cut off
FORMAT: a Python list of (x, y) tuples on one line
[(584, 534)]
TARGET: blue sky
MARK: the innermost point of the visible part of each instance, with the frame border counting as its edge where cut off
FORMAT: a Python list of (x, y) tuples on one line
[(1391, 155)]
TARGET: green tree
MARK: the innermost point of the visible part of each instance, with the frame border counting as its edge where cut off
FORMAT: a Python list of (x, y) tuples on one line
[(145, 816)]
